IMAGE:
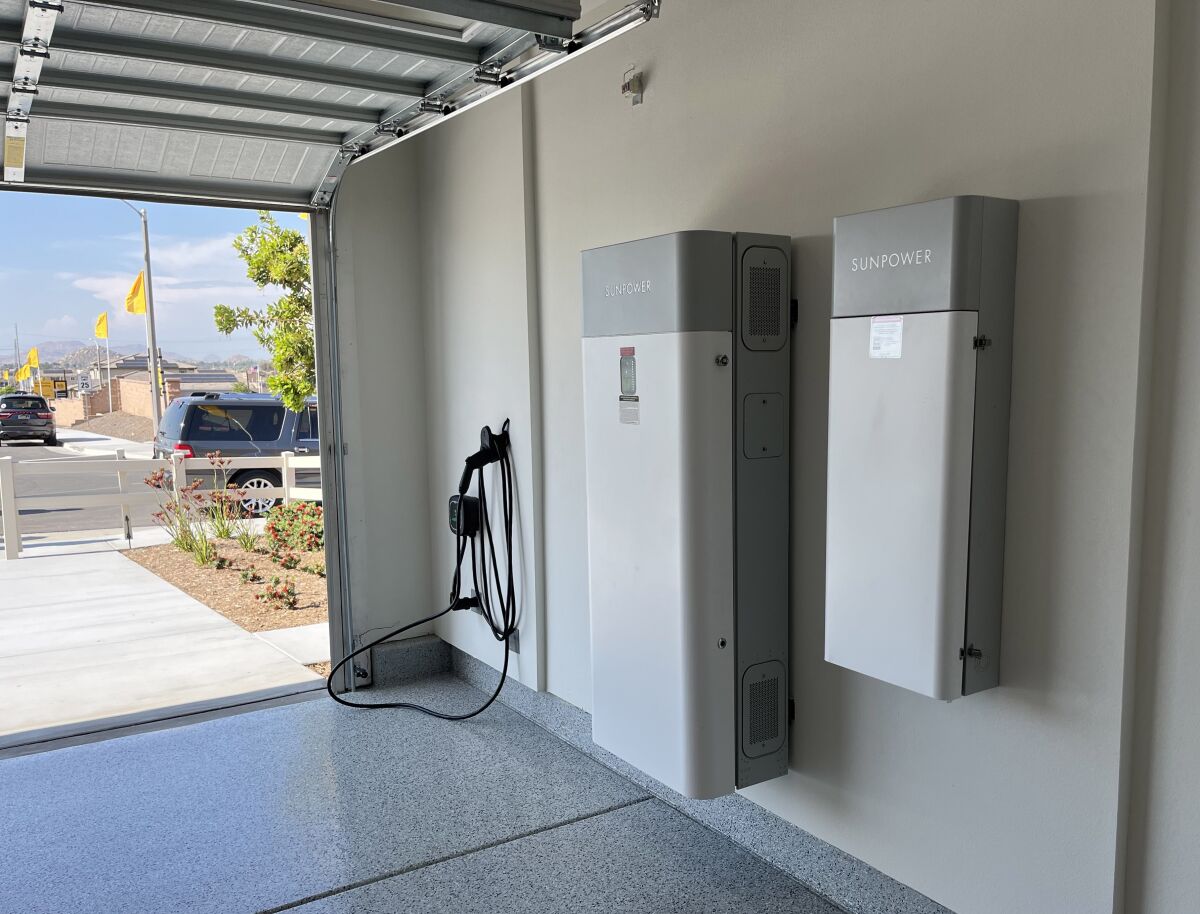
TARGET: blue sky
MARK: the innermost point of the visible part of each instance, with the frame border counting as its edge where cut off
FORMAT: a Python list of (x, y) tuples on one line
[(66, 259)]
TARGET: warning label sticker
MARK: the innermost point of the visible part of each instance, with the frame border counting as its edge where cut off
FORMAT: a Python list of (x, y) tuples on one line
[(14, 152), (887, 336)]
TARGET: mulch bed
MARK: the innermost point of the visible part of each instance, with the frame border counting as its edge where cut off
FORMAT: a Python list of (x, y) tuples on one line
[(222, 588)]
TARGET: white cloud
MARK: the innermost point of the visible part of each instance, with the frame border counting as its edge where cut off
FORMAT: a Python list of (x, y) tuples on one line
[(65, 326), (199, 255), (173, 293), (109, 289)]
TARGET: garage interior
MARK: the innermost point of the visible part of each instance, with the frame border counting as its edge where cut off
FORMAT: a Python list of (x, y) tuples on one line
[(457, 157)]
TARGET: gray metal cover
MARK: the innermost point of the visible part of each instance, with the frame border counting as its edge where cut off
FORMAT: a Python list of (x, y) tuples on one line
[(666, 284), (908, 259)]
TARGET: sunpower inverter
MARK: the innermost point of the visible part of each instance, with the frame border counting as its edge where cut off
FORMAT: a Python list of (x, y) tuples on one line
[(687, 376), (920, 360)]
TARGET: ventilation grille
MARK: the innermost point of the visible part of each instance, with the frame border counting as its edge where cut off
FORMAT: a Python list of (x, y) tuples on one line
[(764, 301), (763, 711)]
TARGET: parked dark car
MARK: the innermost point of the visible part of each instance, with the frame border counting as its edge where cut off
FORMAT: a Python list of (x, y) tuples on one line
[(241, 425), (27, 416)]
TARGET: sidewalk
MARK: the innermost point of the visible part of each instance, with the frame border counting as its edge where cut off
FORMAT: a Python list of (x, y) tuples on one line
[(76, 439), (91, 635)]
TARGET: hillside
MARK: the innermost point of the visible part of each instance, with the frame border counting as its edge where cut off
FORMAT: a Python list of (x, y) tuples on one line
[(76, 354)]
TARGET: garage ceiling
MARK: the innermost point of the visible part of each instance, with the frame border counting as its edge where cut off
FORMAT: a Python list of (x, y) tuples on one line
[(254, 102)]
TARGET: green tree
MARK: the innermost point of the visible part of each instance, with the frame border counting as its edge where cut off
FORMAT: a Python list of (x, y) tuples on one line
[(278, 256)]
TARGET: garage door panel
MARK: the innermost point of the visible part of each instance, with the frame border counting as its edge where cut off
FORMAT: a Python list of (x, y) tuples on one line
[(262, 102)]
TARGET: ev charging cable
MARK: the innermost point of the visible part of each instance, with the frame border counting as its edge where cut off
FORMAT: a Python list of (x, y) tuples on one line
[(499, 609)]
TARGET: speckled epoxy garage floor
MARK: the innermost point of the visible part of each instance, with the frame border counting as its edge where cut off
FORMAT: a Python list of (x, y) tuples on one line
[(324, 810)]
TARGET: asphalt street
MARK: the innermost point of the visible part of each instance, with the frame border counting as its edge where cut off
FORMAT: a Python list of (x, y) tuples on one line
[(58, 521)]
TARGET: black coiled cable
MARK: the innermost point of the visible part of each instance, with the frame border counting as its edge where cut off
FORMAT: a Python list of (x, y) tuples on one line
[(499, 613)]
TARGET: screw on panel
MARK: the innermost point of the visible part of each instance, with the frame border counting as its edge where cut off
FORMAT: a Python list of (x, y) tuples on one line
[(722, 360)]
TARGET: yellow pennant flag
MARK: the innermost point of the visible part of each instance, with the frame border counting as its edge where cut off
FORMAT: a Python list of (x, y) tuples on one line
[(32, 360), (6, 375), (23, 373), (102, 326), (135, 301)]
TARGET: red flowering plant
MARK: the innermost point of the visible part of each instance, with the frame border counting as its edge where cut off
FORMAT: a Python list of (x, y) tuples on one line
[(299, 526), (279, 594), (225, 514), (180, 512), (286, 558)]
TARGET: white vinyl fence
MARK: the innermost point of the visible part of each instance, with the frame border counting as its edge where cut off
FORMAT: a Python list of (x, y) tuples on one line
[(130, 474)]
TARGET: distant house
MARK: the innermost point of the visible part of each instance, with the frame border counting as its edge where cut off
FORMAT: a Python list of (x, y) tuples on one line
[(213, 380), (126, 365), (131, 385)]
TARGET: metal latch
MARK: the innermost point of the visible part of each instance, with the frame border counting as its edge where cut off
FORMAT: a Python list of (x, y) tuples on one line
[(981, 342), (633, 85)]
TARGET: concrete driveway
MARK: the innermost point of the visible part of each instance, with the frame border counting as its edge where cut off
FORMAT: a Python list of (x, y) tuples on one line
[(89, 635)]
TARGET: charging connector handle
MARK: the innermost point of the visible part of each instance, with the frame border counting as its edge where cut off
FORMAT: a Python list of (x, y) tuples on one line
[(492, 447)]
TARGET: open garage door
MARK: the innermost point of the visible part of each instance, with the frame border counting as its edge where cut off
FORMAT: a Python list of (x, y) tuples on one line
[(263, 104), (246, 102)]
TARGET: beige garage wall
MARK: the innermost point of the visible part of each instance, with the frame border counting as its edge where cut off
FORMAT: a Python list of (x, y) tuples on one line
[(776, 116), (480, 344), (383, 381), (1165, 812)]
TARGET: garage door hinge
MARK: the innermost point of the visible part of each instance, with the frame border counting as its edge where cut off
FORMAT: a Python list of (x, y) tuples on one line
[(554, 44)]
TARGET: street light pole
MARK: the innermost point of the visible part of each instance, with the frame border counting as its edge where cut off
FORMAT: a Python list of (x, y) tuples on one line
[(151, 340)]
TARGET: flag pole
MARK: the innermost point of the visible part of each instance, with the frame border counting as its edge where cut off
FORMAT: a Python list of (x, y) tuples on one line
[(151, 341), (108, 361)]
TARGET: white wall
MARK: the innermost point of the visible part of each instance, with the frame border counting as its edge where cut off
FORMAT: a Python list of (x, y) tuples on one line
[(1165, 816), (776, 116), (480, 345), (381, 337)]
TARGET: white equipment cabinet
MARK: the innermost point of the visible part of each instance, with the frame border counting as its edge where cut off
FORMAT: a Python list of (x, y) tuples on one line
[(686, 356), (919, 371)]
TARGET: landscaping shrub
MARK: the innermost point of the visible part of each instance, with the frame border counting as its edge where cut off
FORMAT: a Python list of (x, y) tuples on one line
[(279, 594), (300, 526), (203, 550), (179, 513), (248, 540), (224, 506)]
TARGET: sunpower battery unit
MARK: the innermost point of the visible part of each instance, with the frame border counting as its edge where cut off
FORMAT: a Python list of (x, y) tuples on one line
[(919, 370), (687, 375)]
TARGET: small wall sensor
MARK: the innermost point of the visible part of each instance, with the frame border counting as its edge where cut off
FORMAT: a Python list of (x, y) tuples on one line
[(632, 85)]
